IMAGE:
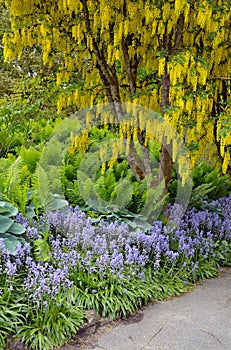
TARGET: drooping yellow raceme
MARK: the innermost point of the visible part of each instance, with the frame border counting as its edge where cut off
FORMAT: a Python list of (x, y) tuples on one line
[(92, 34)]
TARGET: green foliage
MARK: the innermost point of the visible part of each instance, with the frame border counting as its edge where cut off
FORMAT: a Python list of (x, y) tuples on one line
[(28, 98), (42, 247), (223, 252), (10, 230), (115, 299), (30, 157), (200, 193), (52, 326), (115, 194), (26, 186), (207, 174), (105, 192), (49, 200), (152, 200), (23, 125), (107, 198), (10, 317), (208, 184), (15, 182)]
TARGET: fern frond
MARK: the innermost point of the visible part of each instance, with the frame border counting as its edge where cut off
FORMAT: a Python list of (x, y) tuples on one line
[(153, 200), (105, 186), (200, 192), (45, 188), (12, 182), (124, 192), (86, 189)]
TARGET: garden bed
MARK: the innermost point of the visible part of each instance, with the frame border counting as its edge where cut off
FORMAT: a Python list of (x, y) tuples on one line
[(69, 265)]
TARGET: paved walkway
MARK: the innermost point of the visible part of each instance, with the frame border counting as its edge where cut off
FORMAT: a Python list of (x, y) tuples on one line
[(198, 320)]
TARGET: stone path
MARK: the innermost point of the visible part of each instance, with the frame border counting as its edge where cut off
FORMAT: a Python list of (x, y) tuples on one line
[(198, 320)]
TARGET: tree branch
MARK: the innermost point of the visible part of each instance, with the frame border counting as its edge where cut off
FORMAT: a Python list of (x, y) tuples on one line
[(100, 58), (180, 27), (128, 64)]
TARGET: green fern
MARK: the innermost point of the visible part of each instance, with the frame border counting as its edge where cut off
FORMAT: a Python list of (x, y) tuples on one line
[(121, 170), (153, 200), (30, 158), (12, 180), (42, 248), (207, 174), (45, 188), (15, 183), (50, 201), (123, 191), (105, 186), (86, 188), (199, 193)]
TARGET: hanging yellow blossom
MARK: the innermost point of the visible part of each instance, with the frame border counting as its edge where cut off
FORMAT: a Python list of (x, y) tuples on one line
[(120, 51)]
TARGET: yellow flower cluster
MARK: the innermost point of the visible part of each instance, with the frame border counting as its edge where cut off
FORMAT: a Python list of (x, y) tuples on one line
[(179, 6), (224, 138), (202, 14), (189, 68), (226, 162), (79, 143)]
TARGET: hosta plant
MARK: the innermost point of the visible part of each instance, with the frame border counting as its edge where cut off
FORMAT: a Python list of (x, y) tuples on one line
[(10, 230)]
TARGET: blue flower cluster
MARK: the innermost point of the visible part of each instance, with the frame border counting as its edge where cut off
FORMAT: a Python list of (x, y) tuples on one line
[(44, 281), (77, 245), (104, 249)]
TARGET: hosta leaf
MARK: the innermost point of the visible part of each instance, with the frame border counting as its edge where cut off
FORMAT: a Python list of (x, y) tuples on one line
[(11, 242), (7, 209), (5, 223), (4, 211), (57, 203), (17, 229), (11, 210)]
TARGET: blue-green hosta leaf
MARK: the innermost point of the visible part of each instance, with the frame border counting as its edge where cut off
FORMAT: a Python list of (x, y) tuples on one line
[(12, 210), (7, 209), (30, 211), (16, 229), (140, 225), (3, 210), (11, 242), (57, 203), (5, 223)]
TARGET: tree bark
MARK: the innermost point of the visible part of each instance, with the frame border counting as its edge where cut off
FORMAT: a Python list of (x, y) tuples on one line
[(129, 67), (166, 149), (140, 167)]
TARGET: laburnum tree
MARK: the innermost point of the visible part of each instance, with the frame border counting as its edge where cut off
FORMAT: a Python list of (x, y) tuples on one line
[(170, 56)]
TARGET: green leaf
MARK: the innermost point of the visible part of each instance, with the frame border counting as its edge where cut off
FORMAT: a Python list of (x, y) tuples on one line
[(7, 209), (17, 229), (50, 201), (45, 188), (30, 211), (11, 210), (57, 203), (5, 224), (11, 242), (123, 191), (42, 249)]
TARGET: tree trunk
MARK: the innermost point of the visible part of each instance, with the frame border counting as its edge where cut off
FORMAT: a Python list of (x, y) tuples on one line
[(140, 167), (166, 149), (166, 163)]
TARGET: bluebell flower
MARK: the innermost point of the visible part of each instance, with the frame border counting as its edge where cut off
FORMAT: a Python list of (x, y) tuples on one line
[(10, 268)]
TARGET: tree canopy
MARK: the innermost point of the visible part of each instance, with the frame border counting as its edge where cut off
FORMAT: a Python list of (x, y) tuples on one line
[(171, 56)]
